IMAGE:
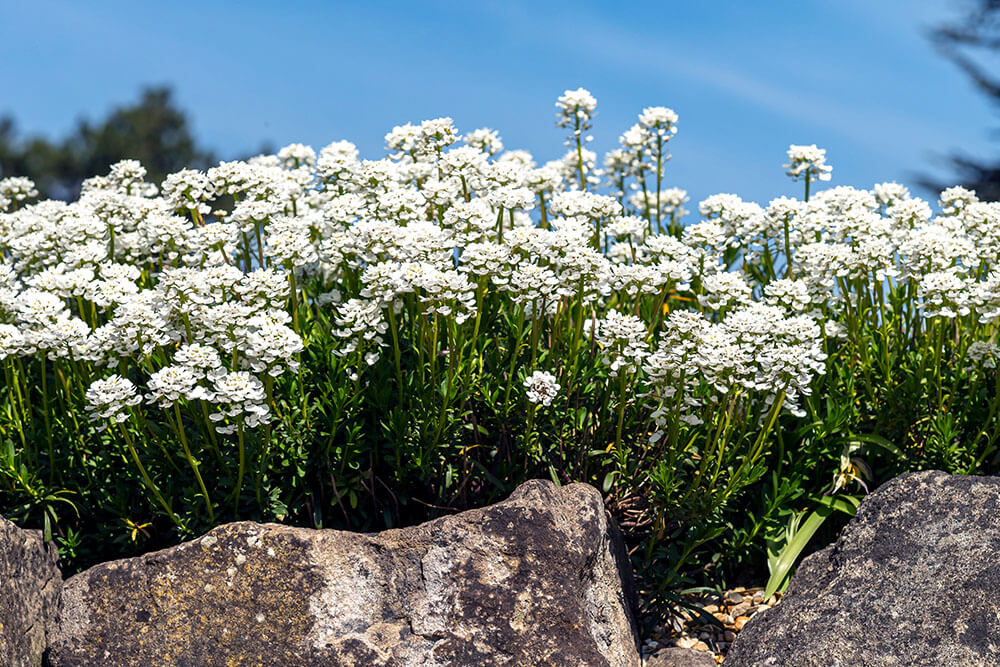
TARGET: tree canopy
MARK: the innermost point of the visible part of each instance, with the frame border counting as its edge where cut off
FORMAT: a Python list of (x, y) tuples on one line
[(153, 130), (968, 42)]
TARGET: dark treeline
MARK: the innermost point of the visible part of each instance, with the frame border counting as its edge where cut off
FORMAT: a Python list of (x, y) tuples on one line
[(152, 130)]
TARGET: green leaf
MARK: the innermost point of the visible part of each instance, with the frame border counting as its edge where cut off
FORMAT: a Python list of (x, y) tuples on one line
[(782, 567), (609, 479), (554, 476), (872, 439)]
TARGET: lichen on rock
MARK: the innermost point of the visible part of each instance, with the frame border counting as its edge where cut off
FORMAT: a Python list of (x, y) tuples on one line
[(925, 537), (536, 579), (29, 594)]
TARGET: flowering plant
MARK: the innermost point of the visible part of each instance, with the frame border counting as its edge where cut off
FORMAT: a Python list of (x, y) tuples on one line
[(313, 337)]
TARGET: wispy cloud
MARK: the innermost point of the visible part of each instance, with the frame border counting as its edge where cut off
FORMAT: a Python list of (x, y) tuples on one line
[(873, 126)]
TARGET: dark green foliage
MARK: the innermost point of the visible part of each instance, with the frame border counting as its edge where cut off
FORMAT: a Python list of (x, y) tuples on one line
[(153, 130)]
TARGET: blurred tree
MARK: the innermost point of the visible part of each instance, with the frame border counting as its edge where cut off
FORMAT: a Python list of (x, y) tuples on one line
[(965, 42), (153, 131)]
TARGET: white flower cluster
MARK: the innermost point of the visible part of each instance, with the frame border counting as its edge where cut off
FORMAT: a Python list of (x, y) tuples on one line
[(111, 398), (623, 340), (125, 273), (757, 349), (442, 230), (808, 162), (541, 388), (14, 190), (576, 108)]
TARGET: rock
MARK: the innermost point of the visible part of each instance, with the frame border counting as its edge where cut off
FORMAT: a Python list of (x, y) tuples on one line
[(734, 598), (680, 657), (29, 594), (921, 536), (742, 609), (536, 579)]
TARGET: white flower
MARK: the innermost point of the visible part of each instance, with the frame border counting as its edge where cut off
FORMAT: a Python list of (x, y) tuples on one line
[(240, 396), (16, 189), (270, 346), (723, 290), (809, 162), (485, 140), (659, 121), (623, 338), (889, 193), (110, 398), (944, 294), (297, 155), (982, 353), (791, 294), (953, 200), (576, 107), (196, 356), (541, 387), (172, 383), (12, 342)]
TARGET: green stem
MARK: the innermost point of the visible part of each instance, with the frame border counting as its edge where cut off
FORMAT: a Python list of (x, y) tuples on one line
[(48, 422), (396, 353), (192, 462), (788, 246), (242, 467), (148, 481)]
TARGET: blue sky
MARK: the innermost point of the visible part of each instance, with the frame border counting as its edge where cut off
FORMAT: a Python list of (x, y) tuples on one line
[(857, 77)]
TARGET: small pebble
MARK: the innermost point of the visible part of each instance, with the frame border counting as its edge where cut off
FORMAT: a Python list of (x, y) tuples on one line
[(741, 609), (740, 622), (734, 598), (729, 636)]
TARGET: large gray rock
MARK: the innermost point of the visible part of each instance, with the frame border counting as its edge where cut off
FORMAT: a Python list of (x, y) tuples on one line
[(913, 580), (533, 580), (29, 594)]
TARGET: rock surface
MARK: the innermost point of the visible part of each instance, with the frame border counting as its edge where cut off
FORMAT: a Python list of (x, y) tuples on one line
[(680, 657), (922, 539), (29, 594), (536, 579)]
